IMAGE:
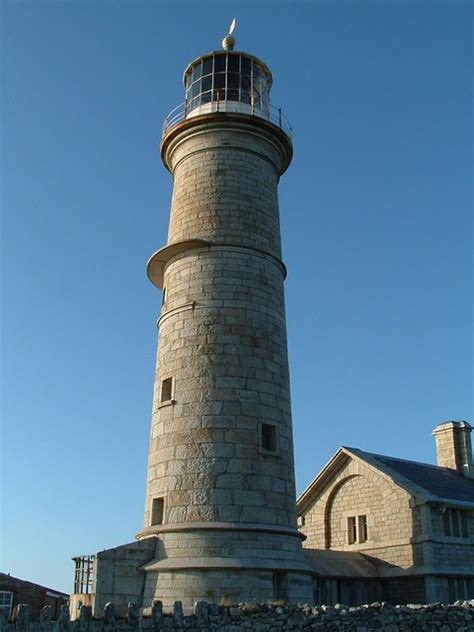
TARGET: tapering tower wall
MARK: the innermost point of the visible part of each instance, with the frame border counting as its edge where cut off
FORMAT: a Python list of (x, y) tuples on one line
[(220, 490)]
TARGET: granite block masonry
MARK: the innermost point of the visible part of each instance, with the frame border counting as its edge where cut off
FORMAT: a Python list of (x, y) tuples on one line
[(220, 511)]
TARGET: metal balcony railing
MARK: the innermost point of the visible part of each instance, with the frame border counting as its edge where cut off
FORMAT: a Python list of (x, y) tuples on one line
[(269, 112)]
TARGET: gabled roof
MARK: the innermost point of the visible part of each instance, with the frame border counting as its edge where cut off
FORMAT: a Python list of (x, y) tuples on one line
[(441, 483), (430, 482)]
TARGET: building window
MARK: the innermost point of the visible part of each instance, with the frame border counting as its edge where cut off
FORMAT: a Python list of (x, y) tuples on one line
[(166, 394), (280, 586), (157, 511), (362, 528), (456, 523), (6, 601), (352, 529), (268, 437), (357, 529), (460, 588), (163, 297)]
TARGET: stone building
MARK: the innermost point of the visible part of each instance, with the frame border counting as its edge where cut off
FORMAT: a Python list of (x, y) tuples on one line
[(220, 512), (378, 527)]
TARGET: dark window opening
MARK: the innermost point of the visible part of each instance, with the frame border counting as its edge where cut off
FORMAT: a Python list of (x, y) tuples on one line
[(157, 511), (6, 601), (357, 529), (352, 529), (269, 437), (362, 528), (460, 588), (166, 390), (280, 586), (456, 523), (163, 297)]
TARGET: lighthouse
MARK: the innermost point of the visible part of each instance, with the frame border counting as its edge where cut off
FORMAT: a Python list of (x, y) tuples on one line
[(220, 511)]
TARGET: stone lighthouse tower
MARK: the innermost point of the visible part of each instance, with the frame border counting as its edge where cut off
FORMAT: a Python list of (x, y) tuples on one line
[(220, 491), (220, 512)]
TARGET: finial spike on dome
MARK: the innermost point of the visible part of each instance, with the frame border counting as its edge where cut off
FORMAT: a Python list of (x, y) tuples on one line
[(228, 42)]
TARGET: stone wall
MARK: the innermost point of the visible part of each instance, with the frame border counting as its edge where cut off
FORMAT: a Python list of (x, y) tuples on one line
[(232, 618)]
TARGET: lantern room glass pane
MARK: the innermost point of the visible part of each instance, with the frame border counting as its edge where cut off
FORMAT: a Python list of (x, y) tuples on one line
[(207, 66), (206, 83), (245, 97), (233, 80), (232, 95), (245, 83), (219, 80), (233, 63), (206, 97), (219, 63), (245, 66), (197, 71)]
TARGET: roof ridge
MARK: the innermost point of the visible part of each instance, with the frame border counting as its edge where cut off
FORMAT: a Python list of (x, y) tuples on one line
[(397, 458)]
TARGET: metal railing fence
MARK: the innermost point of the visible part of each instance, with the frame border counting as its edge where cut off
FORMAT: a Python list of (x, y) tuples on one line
[(215, 104)]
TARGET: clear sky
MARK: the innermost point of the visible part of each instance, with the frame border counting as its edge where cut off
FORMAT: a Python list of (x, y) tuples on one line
[(376, 228)]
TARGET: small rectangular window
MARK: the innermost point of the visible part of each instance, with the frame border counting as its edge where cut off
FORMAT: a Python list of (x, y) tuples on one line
[(280, 585), (351, 530), (455, 519), (166, 394), (163, 297), (6, 601), (157, 510), (362, 528), (269, 437), (456, 523), (446, 523)]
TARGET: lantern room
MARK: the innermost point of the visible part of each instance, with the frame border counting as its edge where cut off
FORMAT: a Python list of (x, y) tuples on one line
[(230, 80)]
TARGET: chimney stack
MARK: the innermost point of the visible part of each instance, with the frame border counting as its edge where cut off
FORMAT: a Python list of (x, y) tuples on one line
[(453, 446)]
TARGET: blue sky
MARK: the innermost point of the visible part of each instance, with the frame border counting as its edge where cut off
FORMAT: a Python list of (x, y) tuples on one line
[(376, 228)]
